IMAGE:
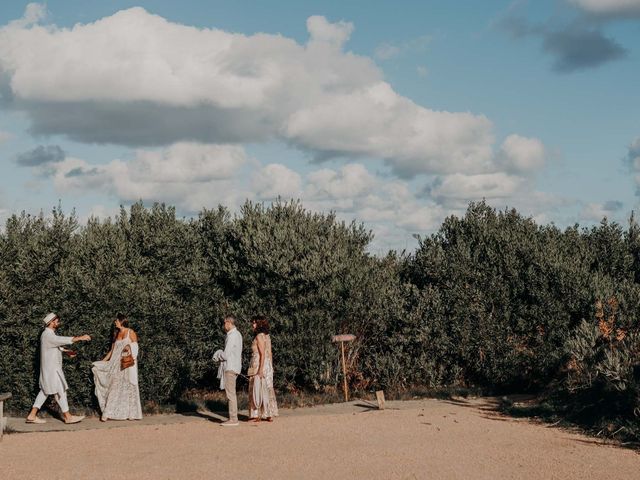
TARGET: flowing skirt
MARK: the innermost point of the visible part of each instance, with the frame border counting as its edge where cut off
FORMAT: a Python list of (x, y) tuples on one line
[(119, 399), (262, 396)]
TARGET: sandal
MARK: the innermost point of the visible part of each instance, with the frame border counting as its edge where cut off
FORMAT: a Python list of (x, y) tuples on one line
[(36, 420), (74, 419)]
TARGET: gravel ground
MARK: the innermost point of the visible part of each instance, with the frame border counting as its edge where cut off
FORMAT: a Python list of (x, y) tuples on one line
[(409, 440)]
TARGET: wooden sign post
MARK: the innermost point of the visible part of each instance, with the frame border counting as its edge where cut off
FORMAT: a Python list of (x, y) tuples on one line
[(342, 339)]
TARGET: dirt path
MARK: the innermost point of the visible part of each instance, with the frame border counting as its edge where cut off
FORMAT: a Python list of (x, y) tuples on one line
[(418, 439)]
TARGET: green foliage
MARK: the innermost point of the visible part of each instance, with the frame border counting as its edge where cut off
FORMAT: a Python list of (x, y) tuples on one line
[(602, 381), (176, 279), (491, 300)]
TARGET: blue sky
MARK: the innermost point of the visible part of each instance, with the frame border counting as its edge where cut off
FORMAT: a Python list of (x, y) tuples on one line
[(396, 114)]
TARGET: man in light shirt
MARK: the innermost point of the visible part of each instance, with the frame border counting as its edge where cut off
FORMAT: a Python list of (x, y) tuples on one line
[(52, 381), (230, 367)]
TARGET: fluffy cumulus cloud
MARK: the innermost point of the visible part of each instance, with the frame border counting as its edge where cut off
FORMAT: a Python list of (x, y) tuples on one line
[(324, 32), (522, 154), (351, 181), (609, 8), (458, 190), (192, 176), (276, 180), (595, 212), (189, 175), (389, 205), (137, 79), (187, 98)]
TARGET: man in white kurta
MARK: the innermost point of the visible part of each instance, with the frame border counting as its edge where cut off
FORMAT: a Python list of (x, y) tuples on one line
[(52, 381), (230, 367)]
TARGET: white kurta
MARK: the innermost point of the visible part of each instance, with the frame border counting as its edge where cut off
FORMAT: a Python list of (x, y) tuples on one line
[(231, 358), (51, 375)]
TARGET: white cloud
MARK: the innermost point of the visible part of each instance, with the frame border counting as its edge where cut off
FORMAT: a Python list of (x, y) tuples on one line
[(458, 190), (276, 180), (192, 176), (322, 31), (595, 212), (184, 83), (376, 121), (353, 180), (33, 13), (388, 206), (200, 93), (521, 154), (609, 8), (188, 175)]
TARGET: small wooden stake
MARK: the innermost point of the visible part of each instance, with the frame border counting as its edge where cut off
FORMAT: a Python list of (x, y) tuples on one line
[(380, 399), (344, 374)]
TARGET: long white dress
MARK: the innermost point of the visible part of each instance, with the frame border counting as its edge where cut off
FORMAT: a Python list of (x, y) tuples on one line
[(262, 395), (117, 390)]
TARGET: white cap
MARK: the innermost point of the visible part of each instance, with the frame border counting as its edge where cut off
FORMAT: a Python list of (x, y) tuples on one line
[(49, 317)]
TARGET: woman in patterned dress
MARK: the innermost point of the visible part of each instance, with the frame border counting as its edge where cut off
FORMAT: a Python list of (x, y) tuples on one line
[(262, 396), (116, 388)]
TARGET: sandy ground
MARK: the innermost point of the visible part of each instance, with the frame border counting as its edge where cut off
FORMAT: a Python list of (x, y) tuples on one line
[(409, 440)]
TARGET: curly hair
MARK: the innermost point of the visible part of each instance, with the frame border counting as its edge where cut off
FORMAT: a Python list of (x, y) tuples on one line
[(262, 324)]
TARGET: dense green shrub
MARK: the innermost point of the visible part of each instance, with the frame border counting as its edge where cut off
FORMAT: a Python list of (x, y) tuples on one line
[(601, 387), (175, 279), (490, 300)]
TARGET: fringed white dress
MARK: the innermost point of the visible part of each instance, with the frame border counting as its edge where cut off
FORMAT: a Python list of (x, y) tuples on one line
[(262, 396), (117, 390)]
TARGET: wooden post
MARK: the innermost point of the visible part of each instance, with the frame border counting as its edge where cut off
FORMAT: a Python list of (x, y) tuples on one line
[(380, 399), (344, 374), (3, 398), (342, 339)]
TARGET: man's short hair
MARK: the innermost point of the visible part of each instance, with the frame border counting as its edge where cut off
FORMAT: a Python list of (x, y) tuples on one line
[(231, 318)]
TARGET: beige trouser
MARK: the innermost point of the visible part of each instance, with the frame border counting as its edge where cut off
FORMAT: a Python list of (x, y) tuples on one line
[(61, 398), (230, 390)]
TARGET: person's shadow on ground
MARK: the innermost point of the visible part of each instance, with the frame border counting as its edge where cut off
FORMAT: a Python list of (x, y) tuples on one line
[(213, 410)]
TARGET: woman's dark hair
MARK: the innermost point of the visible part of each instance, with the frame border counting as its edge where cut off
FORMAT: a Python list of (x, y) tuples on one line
[(262, 324), (122, 318), (124, 321)]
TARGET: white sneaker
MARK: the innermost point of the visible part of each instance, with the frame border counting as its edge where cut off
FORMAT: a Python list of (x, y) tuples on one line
[(230, 423)]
